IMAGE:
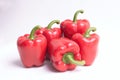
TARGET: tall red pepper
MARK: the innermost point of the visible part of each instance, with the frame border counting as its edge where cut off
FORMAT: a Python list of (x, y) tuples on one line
[(88, 45), (32, 48), (64, 54), (70, 27), (52, 33)]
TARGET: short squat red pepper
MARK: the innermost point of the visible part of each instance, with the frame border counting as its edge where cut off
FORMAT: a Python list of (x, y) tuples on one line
[(64, 54), (88, 45), (52, 33), (49, 32), (70, 27), (32, 48)]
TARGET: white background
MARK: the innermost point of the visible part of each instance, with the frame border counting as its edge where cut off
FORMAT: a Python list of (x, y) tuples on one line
[(18, 17)]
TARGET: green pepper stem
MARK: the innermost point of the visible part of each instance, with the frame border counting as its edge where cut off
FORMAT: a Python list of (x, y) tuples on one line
[(76, 14), (52, 22), (32, 33), (87, 33), (68, 58)]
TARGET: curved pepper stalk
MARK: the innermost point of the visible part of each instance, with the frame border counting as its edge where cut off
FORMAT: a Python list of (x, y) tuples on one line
[(53, 22), (76, 14), (32, 33), (68, 58), (87, 33)]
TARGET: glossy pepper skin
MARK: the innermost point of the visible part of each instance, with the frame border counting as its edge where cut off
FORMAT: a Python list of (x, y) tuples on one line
[(40, 30), (52, 33), (49, 32), (64, 54), (70, 27), (32, 48), (88, 44)]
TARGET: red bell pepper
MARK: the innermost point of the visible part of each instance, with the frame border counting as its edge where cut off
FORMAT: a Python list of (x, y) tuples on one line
[(49, 32), (52, 33), (88, 45), (64, 54), (32, 48), (70, 27)]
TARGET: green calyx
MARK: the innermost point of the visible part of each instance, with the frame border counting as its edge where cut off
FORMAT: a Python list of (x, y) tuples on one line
[(87, 33), (76, 14), (32, 33), (53, 22), (68, 58)]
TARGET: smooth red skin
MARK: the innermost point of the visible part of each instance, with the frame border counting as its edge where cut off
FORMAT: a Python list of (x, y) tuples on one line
[(52, 33), (32, 52), (88, 47), (57, 48), (69, 28), (40, 31)]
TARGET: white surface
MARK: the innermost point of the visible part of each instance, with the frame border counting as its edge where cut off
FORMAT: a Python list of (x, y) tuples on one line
[(17, 17)]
